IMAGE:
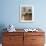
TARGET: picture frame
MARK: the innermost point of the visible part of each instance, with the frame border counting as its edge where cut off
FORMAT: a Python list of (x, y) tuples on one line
[(26, 13)]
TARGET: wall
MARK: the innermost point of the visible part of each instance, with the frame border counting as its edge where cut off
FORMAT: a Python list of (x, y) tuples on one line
[(9, 13)]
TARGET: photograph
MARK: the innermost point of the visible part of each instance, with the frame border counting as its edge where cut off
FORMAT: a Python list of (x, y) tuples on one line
[(26, 13)]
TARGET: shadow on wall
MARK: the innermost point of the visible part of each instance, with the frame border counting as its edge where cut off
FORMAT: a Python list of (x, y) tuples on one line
[(2, 26)]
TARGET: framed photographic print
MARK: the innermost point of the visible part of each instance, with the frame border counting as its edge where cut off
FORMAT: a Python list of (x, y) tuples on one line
[(26, 13)]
